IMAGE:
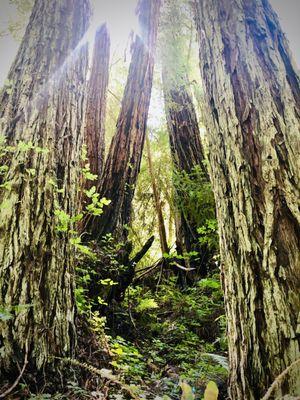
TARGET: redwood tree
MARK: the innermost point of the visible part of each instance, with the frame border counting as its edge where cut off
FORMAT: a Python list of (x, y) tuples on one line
[(41, 115), (252, 97), (96, 102), (188, 160), (184, 134), (123, 162)]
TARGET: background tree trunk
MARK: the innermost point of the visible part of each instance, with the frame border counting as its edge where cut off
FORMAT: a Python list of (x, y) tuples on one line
[(44, 107), (185, 142), (123, 162), (96, 103), (157, 202), (252, 110), (94, 131), (188, 157)]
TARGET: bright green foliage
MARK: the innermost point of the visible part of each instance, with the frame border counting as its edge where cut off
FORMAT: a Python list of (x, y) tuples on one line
[(97, 204), (146, 304), (87, 173), (64, 220), (177, 333), (208, 234), (127, 359), (195, 197)]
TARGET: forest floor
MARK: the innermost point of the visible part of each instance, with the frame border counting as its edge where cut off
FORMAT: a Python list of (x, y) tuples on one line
[(161, 342)]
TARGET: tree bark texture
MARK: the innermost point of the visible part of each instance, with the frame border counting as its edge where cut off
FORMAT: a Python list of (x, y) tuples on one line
[(96, 102), (123, 162), (185, 142), (45, 107), (187, 154), (252, 109)]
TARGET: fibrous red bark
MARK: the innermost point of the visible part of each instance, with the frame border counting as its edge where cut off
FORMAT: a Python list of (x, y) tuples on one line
[(123, 162), (96, 102), (252, 110)]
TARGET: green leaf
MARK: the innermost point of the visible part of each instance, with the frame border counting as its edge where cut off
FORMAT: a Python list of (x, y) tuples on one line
[(108, 282), (41, 150), (31, 171), (211, 391), (5, 315), (187, 392), (209, 283), (146, 304), (90, 193)]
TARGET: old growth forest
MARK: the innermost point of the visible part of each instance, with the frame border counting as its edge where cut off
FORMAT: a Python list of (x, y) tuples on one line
[(149, 202)]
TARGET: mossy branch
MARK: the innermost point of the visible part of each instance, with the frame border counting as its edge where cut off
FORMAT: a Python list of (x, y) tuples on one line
[(103, 373)]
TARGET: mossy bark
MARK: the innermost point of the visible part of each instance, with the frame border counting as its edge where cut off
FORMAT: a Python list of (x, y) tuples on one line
[(44, 107), (252, 111)]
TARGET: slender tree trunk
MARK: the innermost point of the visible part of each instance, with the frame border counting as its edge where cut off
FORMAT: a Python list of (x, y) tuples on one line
[(161, 224), (252, 113), (123, 163), (96, 103), (44, 107)]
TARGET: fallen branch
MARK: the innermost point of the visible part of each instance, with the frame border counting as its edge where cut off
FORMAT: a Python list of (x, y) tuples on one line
[(140, 254), (148, 270), (183, 268), (103, 373), (15, 384), (279, 379)]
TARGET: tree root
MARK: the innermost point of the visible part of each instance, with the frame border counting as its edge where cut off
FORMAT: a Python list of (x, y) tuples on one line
[(15, 384), (279, 379)]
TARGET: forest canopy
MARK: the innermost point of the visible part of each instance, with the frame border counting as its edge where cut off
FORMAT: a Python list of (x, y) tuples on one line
[(149, 201)]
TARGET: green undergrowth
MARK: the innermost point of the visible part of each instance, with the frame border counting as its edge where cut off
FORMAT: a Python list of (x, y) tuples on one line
[(157, 341), (164, 336)]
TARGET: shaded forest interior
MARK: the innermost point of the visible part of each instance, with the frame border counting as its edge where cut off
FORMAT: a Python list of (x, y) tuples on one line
[(149, 204)]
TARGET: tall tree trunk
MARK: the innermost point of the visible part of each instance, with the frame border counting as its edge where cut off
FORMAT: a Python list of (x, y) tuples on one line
[(96, 102), (161, 224), (252, 98), (185, 142), (188, 158), (94, 131), (123, 163), (44, 107)]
